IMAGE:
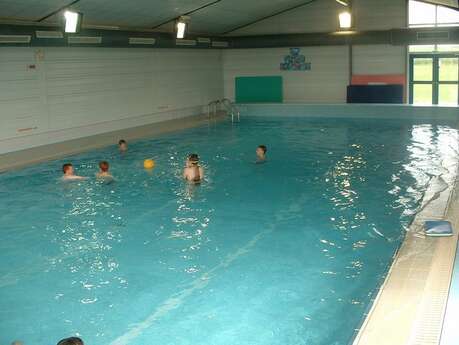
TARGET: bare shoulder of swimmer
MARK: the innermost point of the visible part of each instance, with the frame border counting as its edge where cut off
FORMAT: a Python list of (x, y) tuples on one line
[(73, 177), (201, 172), (187, 173)]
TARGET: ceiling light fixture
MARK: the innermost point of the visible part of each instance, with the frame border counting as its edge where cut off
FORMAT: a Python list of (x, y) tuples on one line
[(181, 26), (343, 2), (72, 21), (345, 20)]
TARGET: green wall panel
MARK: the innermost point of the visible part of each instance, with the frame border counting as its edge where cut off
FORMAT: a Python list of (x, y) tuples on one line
[(265, 89)]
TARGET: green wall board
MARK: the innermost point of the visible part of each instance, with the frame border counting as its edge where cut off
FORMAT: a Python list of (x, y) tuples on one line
[(265, 89)]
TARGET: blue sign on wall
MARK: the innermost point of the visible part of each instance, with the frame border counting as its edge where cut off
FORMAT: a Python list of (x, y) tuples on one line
[(295, 61)]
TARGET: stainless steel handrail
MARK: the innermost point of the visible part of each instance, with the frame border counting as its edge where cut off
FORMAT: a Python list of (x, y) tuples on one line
[(229, 107), (212, 107)]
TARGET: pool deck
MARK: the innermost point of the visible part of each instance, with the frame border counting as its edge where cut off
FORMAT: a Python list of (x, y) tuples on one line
[(450, 331), (410, 305), (19, 159)]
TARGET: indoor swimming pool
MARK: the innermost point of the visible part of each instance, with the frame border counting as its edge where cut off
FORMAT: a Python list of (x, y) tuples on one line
[(288, 252)]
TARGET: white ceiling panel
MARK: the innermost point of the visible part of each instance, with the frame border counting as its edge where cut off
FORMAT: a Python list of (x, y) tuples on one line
[(227, 15), (138, 13), (218, 17), (29, 9), (449, 3)]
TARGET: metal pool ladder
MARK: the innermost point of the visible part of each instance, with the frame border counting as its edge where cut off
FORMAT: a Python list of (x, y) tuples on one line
[(226, 105)]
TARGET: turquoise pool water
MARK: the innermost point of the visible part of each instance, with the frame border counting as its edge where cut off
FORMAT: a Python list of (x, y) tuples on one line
[(287, 252)]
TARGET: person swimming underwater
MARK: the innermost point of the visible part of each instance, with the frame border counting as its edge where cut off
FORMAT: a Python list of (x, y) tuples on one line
[(193, 172)]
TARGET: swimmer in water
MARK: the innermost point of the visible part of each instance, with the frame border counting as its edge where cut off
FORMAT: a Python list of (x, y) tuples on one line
[(122, 145), (71, 341), (261, 154), (69, 173), (193, 172), (103, 171)]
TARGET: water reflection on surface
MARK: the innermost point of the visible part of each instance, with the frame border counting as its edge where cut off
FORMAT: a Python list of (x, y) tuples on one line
[(152, 259)]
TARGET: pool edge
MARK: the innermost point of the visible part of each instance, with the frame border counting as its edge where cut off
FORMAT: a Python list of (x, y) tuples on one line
[(22, 158), (411, 302)]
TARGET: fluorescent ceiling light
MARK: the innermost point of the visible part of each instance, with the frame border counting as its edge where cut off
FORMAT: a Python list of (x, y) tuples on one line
[(345, 20), (343, 2), (72, 21), (181, 28)]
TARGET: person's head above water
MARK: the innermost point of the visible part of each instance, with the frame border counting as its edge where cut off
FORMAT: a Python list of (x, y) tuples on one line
[(193, 159), (122, 144), (261, 151), (67, 169), (104, 166), (71, 341)]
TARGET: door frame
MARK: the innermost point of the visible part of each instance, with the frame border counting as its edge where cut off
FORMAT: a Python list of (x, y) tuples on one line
[(435, 74)]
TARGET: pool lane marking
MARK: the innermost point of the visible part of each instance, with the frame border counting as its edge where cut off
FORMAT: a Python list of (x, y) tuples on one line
[(176, 300)]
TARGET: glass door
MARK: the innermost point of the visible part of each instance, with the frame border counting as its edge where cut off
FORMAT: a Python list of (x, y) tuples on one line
[(434, 79), (448, 76), (421, 79)]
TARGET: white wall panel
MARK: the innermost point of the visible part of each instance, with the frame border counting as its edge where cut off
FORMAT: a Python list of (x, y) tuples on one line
[(61, 89), (379, 59), (325, 83), (380, 15)]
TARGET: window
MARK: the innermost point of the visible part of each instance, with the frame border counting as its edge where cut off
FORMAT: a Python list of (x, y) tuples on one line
[(447, 16), (422, 14)]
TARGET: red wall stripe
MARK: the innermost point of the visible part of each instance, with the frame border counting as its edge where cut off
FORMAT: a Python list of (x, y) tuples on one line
[(365, 79)]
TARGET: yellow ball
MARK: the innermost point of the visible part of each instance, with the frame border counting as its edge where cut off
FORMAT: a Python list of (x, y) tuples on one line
[(148, 163)]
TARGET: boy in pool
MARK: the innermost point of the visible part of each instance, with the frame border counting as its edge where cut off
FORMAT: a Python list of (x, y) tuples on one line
[(103, 171), (261, 154), (71, 341), (69, 173), (122, 145), (193, 172)]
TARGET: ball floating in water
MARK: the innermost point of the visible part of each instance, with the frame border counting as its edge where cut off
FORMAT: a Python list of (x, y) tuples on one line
[(148, 163)]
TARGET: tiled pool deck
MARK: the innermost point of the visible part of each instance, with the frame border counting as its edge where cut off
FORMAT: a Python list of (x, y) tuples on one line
[(450, 332), (410, 305)]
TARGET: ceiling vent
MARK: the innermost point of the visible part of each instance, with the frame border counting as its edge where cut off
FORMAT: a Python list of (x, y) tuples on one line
[(432, 35), (204, 40), (181, 42), (49, 34), (142, 40), (219, 44), (84, 40), (15, 39)]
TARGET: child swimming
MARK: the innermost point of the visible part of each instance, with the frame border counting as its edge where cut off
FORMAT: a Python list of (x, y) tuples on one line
[(69, 173), (192, 171), (261, 154), (103, 171), (122, 145), (71, 341)]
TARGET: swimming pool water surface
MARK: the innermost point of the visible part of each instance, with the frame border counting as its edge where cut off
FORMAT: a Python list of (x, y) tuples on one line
[(287, 252)]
